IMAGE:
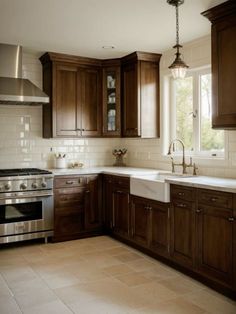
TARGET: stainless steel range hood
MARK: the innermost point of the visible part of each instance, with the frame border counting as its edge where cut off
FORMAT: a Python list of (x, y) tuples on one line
[(13, 88)]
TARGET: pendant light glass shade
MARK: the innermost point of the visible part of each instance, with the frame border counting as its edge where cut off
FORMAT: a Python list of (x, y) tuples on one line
[(178, 67)]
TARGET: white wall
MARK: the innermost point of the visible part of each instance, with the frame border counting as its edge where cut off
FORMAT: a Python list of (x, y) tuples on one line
[(22, 145)]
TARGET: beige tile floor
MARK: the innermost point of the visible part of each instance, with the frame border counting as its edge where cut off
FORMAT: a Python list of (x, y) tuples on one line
[(99, 276)]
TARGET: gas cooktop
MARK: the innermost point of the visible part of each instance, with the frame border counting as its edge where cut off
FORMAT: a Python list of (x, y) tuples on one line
[(22, 172)]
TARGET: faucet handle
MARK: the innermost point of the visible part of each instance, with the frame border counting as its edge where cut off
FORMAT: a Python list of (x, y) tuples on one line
[(191, 161), (172, 164), (195, 169)]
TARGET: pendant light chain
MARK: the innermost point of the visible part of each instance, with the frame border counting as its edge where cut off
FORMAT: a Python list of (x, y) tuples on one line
[(177, 23)]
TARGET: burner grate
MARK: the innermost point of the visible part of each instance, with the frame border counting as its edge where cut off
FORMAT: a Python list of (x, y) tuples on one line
[(22, 172)]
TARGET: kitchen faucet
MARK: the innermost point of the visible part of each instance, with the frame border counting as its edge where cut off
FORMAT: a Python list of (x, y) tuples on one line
[(183, 164)]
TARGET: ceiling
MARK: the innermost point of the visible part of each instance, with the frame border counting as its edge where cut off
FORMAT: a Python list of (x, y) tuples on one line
[(82, 27)]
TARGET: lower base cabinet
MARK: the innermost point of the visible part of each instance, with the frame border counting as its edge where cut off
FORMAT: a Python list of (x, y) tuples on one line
[(215, 255), (150, 224), (196, 230), (77, 208)]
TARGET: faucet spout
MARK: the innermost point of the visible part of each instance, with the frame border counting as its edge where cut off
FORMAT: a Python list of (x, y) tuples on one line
[(171, 148)]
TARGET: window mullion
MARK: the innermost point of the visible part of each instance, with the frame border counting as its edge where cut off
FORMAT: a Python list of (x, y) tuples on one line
[(197, 114)]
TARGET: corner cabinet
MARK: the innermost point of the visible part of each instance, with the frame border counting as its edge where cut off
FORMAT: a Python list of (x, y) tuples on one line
[(74, 87), (223, 19), (140, 95)]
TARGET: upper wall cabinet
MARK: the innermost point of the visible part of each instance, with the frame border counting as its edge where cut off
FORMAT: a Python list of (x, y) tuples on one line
[(223, 19), (111, 98), (74, 87), (140, 95), (92, 97)]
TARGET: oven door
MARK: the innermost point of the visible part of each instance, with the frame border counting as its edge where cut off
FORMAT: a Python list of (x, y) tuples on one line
[(26, 212)]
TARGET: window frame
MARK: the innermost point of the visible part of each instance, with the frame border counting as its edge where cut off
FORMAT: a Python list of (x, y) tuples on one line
[(196, 152)]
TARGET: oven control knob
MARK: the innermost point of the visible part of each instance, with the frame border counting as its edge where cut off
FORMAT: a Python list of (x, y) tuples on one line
[(23, 186), (7, 186), (34, 185), (44, 184)]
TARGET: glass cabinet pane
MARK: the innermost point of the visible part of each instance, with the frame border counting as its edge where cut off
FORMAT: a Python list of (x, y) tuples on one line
[(111, 101)]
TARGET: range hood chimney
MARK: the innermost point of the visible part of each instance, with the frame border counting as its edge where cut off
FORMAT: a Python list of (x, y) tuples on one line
[(14, 90)]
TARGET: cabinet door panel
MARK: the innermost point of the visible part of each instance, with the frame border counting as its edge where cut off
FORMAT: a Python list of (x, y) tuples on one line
[(66, 101), (91, 104), (140, 221), (111, 101), (182, 232), (121, 213), (131, 114), (107, 202), (93, 219), (68, 225), (215, 243), (159, 241)]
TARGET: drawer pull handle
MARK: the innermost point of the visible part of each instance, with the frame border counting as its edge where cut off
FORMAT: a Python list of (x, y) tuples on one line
[(198, 211), (181, 193), (231, 219), (181, 205), (87, 192), (69, 182), (119, 192)]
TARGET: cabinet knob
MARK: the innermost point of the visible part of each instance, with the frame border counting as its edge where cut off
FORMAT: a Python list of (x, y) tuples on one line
[(231, 219), (198, 211)]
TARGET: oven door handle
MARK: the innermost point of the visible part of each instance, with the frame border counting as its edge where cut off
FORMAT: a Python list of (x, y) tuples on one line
[(14, 198)]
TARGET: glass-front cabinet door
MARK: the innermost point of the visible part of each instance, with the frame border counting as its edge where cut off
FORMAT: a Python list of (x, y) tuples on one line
[(111, 101)]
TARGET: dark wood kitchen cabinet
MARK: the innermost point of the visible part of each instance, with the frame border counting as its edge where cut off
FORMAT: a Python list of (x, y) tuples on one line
[(111, 98), (140, 95), (140, 220), (116, 205), (150, 224), (182, 241), (74, 87), (160, 228), (77, 206), (223, 31), (214, 226), (121, 206)]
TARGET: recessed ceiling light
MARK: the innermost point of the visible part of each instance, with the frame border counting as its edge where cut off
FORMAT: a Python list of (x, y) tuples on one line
[(108, 47)]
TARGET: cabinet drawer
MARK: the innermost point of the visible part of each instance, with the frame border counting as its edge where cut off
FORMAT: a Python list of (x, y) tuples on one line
[(215, 198), (183, 193), (121, 181), (66, 197), (69, 181)]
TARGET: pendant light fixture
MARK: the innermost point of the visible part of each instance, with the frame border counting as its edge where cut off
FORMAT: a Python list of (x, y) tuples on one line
[(178, 67)]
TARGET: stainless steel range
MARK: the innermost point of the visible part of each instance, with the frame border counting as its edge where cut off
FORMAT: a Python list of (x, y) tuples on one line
[(26, 204)]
